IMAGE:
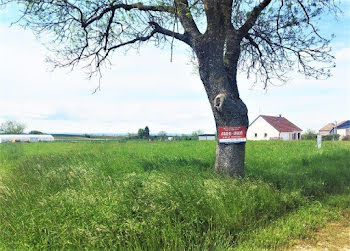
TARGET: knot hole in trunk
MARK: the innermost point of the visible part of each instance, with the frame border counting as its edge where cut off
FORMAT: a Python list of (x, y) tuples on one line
[(218, 101)]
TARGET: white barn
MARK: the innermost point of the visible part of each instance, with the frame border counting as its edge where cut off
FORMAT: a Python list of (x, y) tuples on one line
[(25, 138), (271, 127), (206, 137)]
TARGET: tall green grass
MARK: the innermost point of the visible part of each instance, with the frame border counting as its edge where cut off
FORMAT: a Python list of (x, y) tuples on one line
[(166, 195)]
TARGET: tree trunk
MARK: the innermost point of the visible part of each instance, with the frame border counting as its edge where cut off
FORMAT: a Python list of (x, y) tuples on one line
[(230, 157), (228, 109)]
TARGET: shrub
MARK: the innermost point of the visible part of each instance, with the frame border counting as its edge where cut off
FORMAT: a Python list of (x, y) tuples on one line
[(346, 138), (331, 137), (308, 135)]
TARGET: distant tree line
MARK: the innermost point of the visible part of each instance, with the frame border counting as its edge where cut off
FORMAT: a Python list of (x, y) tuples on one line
[(144, 134), (312, 135)]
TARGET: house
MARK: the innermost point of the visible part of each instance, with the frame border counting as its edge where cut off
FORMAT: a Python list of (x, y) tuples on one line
[(206, 137), (326, 130), (270, 127), (343, 129)]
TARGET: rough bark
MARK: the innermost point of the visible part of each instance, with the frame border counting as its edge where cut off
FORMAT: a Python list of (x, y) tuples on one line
[(228, 109), (230, 157)]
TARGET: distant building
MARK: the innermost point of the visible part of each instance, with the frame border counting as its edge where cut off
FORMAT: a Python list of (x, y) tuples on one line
[(271, 127), (326, 130), (206, 137), (343, 129), (25, 138)]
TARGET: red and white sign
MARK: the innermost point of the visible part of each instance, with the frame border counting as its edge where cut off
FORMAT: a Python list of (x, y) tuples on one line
[(232, 134)]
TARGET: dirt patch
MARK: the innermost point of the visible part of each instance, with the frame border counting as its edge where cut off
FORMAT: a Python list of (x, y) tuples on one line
[(334, 236)]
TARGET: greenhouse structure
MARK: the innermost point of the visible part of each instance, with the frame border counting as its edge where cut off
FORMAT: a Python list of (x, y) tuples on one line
[(25, 138)]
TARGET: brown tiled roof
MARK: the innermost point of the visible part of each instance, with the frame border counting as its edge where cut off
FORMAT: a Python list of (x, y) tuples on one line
[(281, 124), (327, 127)]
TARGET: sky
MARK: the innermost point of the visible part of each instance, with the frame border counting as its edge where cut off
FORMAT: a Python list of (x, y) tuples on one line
[(145, 88)]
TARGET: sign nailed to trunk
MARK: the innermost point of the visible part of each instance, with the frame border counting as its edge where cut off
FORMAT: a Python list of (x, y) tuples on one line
[(232, 134)]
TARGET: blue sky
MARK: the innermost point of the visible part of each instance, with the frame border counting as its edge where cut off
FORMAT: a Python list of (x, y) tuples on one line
[(144, 88)]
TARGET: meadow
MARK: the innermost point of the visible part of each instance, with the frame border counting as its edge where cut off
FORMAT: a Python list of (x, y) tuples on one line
[(166, 195)]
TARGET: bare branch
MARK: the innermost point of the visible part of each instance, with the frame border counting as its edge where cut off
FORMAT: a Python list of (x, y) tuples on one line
[(253, 16), (277, 21), (186, 19), (127, 7), (159, 29), (308, 19)]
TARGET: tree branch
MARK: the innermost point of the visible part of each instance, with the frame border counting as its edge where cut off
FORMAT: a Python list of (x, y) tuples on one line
[(137, 39), (138, 6), (308, 19), (256, 46), (161, 30), (186, 19), (252, 17)]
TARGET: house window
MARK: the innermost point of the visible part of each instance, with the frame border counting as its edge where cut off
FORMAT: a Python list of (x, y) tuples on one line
[(265, 135), (255, 135)]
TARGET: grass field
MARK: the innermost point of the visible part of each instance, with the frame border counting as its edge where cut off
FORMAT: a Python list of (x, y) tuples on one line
[(166, 195)]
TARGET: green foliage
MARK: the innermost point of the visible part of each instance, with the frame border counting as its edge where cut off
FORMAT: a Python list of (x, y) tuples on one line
[(331, 137), (165, 195), (35, 132), (12, 127), (196, 133), (146, 132), (141, 133), (309, 135), (188, 137)]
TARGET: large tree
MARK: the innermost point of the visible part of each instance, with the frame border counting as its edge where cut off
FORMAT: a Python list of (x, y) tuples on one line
[(263, 38)]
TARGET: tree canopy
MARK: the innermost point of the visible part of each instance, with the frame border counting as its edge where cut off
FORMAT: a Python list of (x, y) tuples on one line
[(273, 36), (12, 127)]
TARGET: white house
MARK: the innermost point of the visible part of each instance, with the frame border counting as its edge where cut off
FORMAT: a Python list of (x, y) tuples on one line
[(25, 138), (271, 127), (206, 137), (343, 129)]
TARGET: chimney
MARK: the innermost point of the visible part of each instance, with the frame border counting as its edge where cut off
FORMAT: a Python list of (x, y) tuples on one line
[(280, 115)]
